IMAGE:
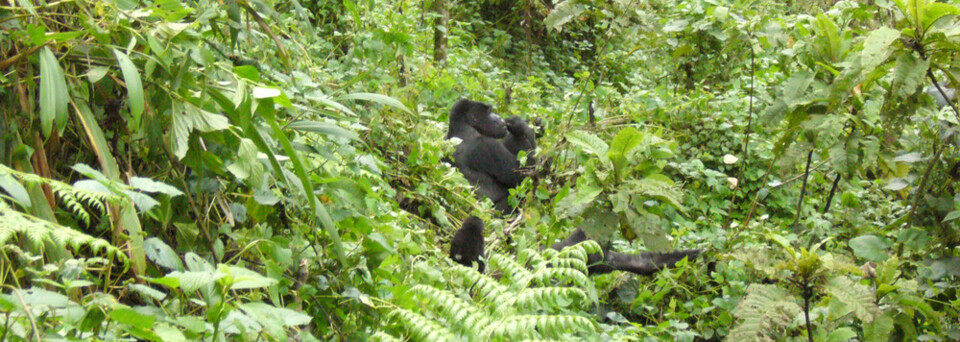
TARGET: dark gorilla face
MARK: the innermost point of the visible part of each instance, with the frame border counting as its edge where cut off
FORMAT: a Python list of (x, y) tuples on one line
[(485, 121)]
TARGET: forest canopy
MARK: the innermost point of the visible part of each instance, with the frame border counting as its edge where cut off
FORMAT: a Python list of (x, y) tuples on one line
[(280, 170)]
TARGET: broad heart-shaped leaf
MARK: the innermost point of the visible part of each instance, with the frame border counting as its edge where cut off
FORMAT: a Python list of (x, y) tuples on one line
[(152, 186), (870, 247), (562, 13), (381, 99), (162, 254), (192, 281), (796, 86), (248, 167), (187, 118), (326, 128), (53, 92), (131, 76), (876, 48), (589, 143), (625, 142), (242, 278), (288, 317)]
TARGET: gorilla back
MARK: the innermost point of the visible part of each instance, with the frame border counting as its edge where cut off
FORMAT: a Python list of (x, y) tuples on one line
[(486, 162)]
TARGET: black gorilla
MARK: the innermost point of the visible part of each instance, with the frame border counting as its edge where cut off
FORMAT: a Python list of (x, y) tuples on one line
[(467, 244), (644, 263), (488, 163)]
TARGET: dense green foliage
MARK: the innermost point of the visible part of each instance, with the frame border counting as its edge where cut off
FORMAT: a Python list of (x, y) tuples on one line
[(274, 170)]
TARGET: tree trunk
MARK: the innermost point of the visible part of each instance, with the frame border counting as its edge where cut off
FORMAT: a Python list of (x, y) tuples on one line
[(439, 30)]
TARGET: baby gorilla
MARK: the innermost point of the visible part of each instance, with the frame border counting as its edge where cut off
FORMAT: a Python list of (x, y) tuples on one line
[(467, 244)]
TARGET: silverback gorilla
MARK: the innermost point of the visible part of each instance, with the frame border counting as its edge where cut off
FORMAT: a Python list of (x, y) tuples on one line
[(487, 157), (487, 153)]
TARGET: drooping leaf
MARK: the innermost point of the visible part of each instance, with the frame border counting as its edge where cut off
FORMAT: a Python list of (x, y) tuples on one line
[(131, 76), (563, 13), (876, 48), (53, 93), (152, 186), (162, 254), (326, 128), (377, 98)]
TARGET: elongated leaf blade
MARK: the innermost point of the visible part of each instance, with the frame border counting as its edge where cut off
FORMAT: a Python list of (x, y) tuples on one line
[(381, 99), (134, 87), (53, 92)]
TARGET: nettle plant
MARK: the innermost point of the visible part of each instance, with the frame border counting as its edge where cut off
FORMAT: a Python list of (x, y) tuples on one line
[(621, 185)]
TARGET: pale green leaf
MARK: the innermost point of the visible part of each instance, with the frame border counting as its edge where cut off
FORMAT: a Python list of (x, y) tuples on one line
[(876, 48), (326, 128), (563, 13), (377, 98), (152, 186), (53, 93), (15, 190), (131, 76)]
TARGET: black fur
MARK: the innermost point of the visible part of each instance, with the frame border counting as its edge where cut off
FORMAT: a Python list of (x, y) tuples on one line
[(467, 244), (643, 263), (486, 162)]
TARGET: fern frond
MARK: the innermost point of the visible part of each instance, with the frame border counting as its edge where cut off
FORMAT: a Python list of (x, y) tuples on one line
[(487, 288), (524, 326), (855, 295), (765, 310), (548, 298), (519, 275), (457, 311), (561, 275), (36, 232), (422, 327), (383, 337), (72, 197)]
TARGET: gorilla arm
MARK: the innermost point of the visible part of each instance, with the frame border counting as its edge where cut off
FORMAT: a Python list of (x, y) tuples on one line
[(643, 263)]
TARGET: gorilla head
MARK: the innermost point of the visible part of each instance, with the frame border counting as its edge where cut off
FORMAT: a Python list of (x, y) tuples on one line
[(476, 115)]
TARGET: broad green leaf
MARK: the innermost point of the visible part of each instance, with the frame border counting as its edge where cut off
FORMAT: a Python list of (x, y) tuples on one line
[(132, 318), (243, 278), (152, 186), (325, 128), (289, 317), (879, 330), (15, 190), (162, 254), (131, 76), (381, 99), (168, 333), (186, 119), (841, 335), (953, 215), (95, 74), (870, 247), (44, 299), (147, 291), (796, 86), (623, 144), (589, 143), (563, 13), (53, 93), (936, 11), (909, 74), (192, 281), (876, 48), (247, 167)]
